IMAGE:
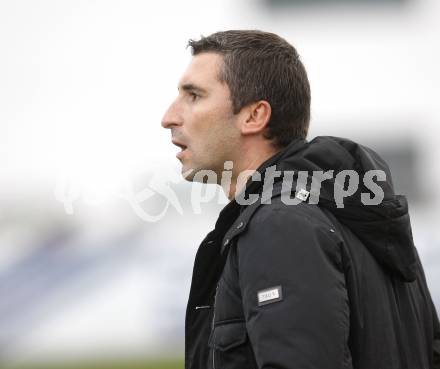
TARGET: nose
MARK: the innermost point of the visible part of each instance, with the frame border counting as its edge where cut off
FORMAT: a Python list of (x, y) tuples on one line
[(172, 116)]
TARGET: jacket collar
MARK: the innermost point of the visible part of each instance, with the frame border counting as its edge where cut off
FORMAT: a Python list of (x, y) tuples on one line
[(243, 213)]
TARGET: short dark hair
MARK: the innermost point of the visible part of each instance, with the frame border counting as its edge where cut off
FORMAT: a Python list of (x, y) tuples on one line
[(263, 66)]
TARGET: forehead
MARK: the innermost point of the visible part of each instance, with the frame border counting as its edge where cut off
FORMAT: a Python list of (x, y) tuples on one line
[(203, 70)]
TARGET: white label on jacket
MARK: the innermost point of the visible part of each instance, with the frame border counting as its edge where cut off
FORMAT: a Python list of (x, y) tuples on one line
[(302, 195), (269, 295)]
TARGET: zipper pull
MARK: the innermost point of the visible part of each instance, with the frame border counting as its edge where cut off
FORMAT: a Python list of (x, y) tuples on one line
[(203, 307)]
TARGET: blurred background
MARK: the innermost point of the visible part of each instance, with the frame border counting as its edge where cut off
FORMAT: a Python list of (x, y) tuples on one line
[(95, 255)]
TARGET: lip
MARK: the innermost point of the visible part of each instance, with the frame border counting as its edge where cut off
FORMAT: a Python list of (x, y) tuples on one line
[(180, 154), (179, 144), (182, 146)]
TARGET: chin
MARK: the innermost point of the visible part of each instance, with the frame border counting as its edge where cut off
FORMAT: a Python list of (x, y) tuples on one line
[(188, 175), (197, 174)]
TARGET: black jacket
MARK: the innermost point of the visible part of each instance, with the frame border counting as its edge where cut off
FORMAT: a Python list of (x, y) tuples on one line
[(312, 286)]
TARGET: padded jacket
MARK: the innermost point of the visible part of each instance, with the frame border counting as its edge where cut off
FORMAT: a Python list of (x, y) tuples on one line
[(315, 286)]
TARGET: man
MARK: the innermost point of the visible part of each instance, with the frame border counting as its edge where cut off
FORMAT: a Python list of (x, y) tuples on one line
[(327, 278)]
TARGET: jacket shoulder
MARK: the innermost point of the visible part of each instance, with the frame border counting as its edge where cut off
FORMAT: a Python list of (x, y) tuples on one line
[(291, 230), (301, 214)]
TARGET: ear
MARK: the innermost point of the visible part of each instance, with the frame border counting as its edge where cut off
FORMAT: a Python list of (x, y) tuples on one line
[(256, 117)]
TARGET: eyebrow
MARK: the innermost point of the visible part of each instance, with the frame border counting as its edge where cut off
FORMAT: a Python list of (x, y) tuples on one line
[(191, 88)]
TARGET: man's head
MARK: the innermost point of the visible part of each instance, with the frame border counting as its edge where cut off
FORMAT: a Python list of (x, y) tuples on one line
[(241, 89)]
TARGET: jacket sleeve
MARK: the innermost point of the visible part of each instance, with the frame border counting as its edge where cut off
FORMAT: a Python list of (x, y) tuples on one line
[(436, 344), (308, 326), (435, 321)]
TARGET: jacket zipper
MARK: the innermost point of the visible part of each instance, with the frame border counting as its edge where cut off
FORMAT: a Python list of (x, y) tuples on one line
[(212, 326)]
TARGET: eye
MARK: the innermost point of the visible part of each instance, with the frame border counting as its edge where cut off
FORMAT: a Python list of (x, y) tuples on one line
[(193, 96)]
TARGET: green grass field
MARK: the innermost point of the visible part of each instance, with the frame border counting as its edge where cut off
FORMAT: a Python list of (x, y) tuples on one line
[(138, 364)]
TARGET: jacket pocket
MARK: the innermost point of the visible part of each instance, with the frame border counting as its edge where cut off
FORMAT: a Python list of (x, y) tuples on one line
[(230, 347)]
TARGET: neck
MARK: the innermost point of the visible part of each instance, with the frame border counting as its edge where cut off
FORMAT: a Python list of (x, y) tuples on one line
[(249, 159)]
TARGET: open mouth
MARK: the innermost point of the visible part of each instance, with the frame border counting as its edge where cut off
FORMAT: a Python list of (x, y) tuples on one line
[(181, 146), (178, 144)]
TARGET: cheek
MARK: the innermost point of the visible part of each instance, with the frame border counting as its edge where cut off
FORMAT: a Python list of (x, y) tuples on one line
[(201, 126), (211, 127)]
